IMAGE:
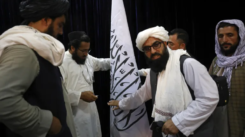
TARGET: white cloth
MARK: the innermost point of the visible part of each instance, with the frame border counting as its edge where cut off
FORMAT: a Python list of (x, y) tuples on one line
[(77, 79), (45, 45), (69, 115), (156, 32), (205, 91), (144, 72), (171, 99)]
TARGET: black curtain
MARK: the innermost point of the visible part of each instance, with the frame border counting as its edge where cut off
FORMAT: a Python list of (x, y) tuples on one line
[(198, 18)]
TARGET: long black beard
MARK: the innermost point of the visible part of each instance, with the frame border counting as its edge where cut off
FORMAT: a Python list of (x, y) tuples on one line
[(50, 30), (77, 59), (158, 65), (231, 51)]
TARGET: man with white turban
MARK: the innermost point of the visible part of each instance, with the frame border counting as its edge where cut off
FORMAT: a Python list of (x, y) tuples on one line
[(178, 39), (167, 87)]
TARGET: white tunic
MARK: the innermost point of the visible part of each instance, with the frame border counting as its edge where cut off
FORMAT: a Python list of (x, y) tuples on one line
[(77, 79), (205, 91)]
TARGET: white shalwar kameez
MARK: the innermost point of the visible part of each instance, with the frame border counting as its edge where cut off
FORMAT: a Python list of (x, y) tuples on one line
[(198, 110), (77, 79)]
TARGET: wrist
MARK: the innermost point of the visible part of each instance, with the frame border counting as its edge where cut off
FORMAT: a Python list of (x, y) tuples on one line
[(81, 96)]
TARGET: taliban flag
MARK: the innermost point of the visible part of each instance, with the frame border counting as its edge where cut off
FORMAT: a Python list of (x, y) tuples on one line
[(125, 78)]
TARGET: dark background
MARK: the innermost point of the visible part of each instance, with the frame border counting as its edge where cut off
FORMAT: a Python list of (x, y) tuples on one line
[(198, 18)]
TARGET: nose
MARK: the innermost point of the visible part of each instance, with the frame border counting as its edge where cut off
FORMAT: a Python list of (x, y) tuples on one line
[(152, 50), (85, 53), (225, 39), (61, 32)]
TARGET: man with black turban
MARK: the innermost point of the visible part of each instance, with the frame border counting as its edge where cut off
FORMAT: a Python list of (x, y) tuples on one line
[(31, 95)]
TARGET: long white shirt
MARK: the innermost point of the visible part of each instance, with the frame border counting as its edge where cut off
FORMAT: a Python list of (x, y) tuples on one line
[(205, 91), (77, 79)]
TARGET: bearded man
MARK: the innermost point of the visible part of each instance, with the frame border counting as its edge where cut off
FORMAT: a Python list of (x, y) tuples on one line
[(31, 94), (176, 112), (78, 74)]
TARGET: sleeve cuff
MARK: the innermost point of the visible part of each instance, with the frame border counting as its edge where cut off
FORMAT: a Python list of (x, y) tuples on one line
[(144, 72), (177, 123), (75, 98), (121, 104), (181, 128), (141, 73), (46, 119)]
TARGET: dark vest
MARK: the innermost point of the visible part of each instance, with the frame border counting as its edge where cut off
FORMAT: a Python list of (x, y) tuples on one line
[(46, 92), (153, 79)]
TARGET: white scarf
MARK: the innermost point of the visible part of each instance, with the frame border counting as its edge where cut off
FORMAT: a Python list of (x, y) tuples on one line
[(172, 95), (45, 45)]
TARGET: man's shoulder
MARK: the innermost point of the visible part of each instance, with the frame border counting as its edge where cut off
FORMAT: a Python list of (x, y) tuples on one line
[(18, 51), (192, 63), (215, 58), (21, 58), (68, 62), (214, 61), (91, 57), (190, 60), (67, 58)]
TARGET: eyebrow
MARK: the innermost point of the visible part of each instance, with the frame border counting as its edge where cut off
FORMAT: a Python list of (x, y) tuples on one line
[(154, 43), (83, 49)]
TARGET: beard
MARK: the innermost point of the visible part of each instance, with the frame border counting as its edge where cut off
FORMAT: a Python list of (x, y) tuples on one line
[(77, 59), (159, 64), (50, 30), (230, 51)]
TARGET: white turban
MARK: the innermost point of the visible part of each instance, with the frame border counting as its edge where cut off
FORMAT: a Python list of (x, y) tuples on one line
[(156, 32)]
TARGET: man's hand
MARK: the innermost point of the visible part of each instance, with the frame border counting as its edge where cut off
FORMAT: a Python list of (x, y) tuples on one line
[(114, 103), (55, 127), (169, 128), (88, 96)]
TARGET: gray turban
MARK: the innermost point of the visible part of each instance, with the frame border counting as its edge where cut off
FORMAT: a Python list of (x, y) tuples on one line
[(34, 10), (156, 32)]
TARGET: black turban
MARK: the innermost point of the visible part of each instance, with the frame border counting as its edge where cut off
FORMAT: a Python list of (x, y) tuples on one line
[(34, 10), (75, 35)]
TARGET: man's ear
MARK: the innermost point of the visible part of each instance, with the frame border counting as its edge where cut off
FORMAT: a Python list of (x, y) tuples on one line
[(46, 22), (72, 49), (182, 46)]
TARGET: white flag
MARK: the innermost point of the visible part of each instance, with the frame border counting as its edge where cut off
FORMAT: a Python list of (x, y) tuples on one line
[(125, 78)]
